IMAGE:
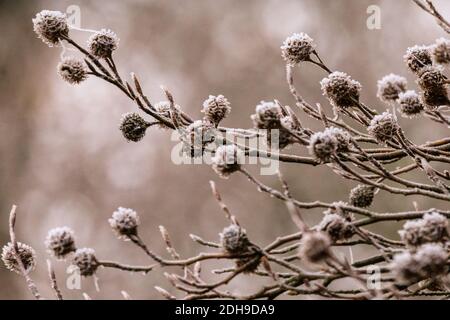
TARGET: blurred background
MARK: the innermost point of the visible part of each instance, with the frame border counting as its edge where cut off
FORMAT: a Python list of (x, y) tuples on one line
[(63, 160)]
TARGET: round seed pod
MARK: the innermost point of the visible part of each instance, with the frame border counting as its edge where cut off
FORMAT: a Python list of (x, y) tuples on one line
[(297, 48), (341, 90), (383, 126), (410, 104), (72, 70), (133, 126), (418, 57), (441, 51), (361, 196), (26, 254), (267, 116), (60, 242), (234, 239), (84, 259), (315, 247), (390, 86), (103, 43), (226, 160), (51, 26), (216, 108), (336, 226), (124, 222)]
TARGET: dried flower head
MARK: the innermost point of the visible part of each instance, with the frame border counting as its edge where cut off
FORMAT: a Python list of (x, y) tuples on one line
[(102, 43), (336, 226), (383, 126), (418, 57), (216, 108), (341, 90), (431, 228), (51, 26), (323, 145), (197, 136), (441, 51), (60, 242), (267, 115), (435, 97), (342, 137), (133, 126), (297, 48), (281, 138), (226, 160), (410, 103), (72, 70), (124, 222), (234, 239), (429, 261), (315, 247), (26, 254), (362, 196), (84, 259), (390, 86), (431, 78)]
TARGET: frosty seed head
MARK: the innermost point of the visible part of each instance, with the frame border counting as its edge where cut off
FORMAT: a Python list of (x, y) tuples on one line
[(234, 239), (323, 145), (267, 115), (60, 242), (342, 137), (124, 222), (390, 86), (315, 247), (84, 259), (72, 70), (341, 90), (102, 43), (226, 160), (431, 78), (336, 226), (418, 57), (410, 103), (216, 108), (297, 48), (133, 126), (406, 268), (282, 136), (433, 259), (361, 196), (197, 136), (26, 254), (383, 126), (441, 51), (434, 98), (51, 26), (431, 228)]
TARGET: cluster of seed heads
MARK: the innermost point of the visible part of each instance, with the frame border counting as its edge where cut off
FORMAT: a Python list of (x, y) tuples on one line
[(383, 126), (297, 48), (433, 227), (133, 126), (72, 70), (428, 261), (324, 144), (103, 43), (51, 26), (60, 242), (390, 87), (216, 108), (124, 222), (361, 196), (226, 160), (341, 90), (26, 254)]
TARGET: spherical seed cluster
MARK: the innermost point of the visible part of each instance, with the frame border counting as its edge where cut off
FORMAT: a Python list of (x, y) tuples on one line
[(133, 126), (431, 78), (234, 239), (196, 138), (315, 247), (60, 242), (226, 160), (418, 57), (102, 43), (72, 70), (342, 137), (216, 108), (26, 254), (361, 196), (84, 259), (323, 145), (267, 115), (390, 86), (428, 261), (431, 228), (297, 48), (336, 226), (341, 90), (124, 222), (51, 26), (410, 103), (435, 97), (383, 126), (441, 51)]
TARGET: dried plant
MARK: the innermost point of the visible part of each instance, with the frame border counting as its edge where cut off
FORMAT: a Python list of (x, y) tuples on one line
[(357, 143)]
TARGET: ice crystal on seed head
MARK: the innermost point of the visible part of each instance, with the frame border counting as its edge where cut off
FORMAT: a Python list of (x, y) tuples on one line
[(341, 90), (124, 222), (51, 26), (102, 43)]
